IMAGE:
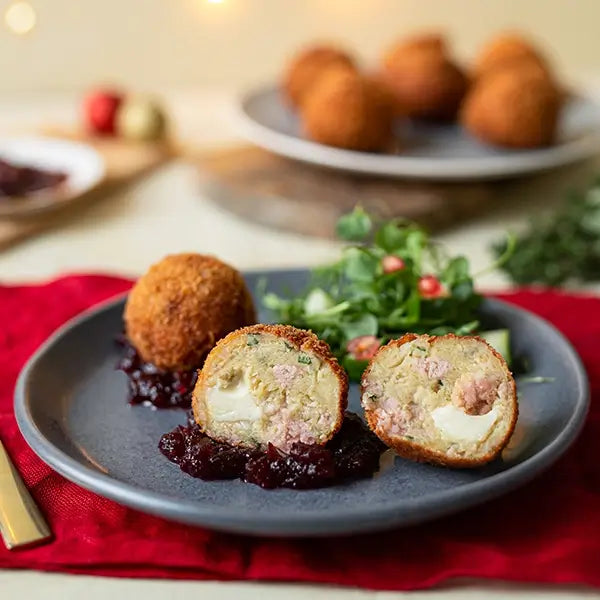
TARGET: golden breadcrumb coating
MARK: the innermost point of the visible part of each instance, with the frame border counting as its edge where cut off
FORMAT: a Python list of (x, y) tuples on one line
[(431, 42), (508, 49), (349, 110), (515, 108), (306, 67), (426, 83), (178, 310)]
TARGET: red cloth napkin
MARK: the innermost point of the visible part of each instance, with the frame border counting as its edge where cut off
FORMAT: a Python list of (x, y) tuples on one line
[(548, 531)]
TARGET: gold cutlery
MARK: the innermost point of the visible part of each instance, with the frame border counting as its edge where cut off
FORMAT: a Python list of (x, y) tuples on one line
[(21, 522)]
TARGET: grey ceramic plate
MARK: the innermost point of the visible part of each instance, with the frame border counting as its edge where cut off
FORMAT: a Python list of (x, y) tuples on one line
[(70, 405), (430, 152)]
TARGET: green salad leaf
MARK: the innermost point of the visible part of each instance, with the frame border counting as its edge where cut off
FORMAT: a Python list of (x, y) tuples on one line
[(355, 226)]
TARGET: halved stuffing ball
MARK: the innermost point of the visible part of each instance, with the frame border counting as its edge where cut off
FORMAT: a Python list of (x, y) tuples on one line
[(509, 49), (177, 311), (515, 108), (270, 384), (426, 83), (348, 110), (304, 70), (447, 400)]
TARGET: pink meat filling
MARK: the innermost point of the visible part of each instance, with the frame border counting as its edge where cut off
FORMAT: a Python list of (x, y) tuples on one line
[(476, 397), (392, 418), (434, 368), (286, 374), (288, 430), (286, 424)]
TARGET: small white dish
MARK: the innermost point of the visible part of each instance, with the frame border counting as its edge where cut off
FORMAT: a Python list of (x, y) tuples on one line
[(82, 164), (428, 152)]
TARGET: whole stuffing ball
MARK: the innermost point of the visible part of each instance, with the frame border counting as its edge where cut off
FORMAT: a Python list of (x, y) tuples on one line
[(348, 110), (528, 69), (306, 68), (509, 50), (426, 83), (514, 109), (433, 43), (182, 306)]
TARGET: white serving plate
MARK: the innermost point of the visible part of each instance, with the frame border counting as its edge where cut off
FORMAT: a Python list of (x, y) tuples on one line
[(429, 152)]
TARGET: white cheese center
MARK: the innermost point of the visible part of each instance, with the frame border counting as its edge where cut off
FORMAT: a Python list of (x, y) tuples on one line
[(455, 424), (232, 404)]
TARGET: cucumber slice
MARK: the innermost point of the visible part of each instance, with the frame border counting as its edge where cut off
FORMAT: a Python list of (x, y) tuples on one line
[(317, 302), (499, 340)]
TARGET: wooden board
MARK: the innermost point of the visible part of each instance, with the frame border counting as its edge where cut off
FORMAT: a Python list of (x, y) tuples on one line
[(125, 162), (284, 194)]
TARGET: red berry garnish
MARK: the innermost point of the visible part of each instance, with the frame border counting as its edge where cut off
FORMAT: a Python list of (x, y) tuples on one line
[(363, 347), (391, 263), (429, 286)]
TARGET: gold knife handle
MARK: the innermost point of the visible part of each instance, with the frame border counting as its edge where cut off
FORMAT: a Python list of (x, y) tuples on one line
[(21, 521)]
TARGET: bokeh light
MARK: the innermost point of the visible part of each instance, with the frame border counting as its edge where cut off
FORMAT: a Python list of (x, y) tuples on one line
[(20, 18)]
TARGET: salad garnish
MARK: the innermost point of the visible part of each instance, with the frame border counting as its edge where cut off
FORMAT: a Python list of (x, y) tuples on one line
[(391, 278)]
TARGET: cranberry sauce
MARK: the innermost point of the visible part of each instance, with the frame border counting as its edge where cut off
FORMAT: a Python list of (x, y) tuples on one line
[(352, 453), (149, 384), (16, 180)]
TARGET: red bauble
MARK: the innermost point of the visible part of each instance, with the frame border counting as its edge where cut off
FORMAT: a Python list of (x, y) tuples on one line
[(100, 111)]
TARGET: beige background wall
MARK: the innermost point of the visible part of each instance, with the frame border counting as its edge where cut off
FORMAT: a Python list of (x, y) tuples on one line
[(155, 43)]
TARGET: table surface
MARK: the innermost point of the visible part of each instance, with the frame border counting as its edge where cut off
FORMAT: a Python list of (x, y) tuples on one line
[(166, 213)]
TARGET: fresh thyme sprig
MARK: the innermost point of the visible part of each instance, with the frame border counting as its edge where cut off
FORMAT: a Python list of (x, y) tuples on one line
[(562, 248)]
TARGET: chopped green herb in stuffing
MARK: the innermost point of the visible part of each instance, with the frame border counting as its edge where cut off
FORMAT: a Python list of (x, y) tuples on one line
[(304, 359), (252, 340)]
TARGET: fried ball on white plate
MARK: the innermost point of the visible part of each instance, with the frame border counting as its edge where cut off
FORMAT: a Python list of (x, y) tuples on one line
[(446, 400), (270, 384), (432, 42), (513, 108), (425, 81), (508, 49), (348, 110), (307, 66)]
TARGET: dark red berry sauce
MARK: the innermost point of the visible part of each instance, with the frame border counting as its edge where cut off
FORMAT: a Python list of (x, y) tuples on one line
[(17, 180), (150, 385), (353, 453)]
